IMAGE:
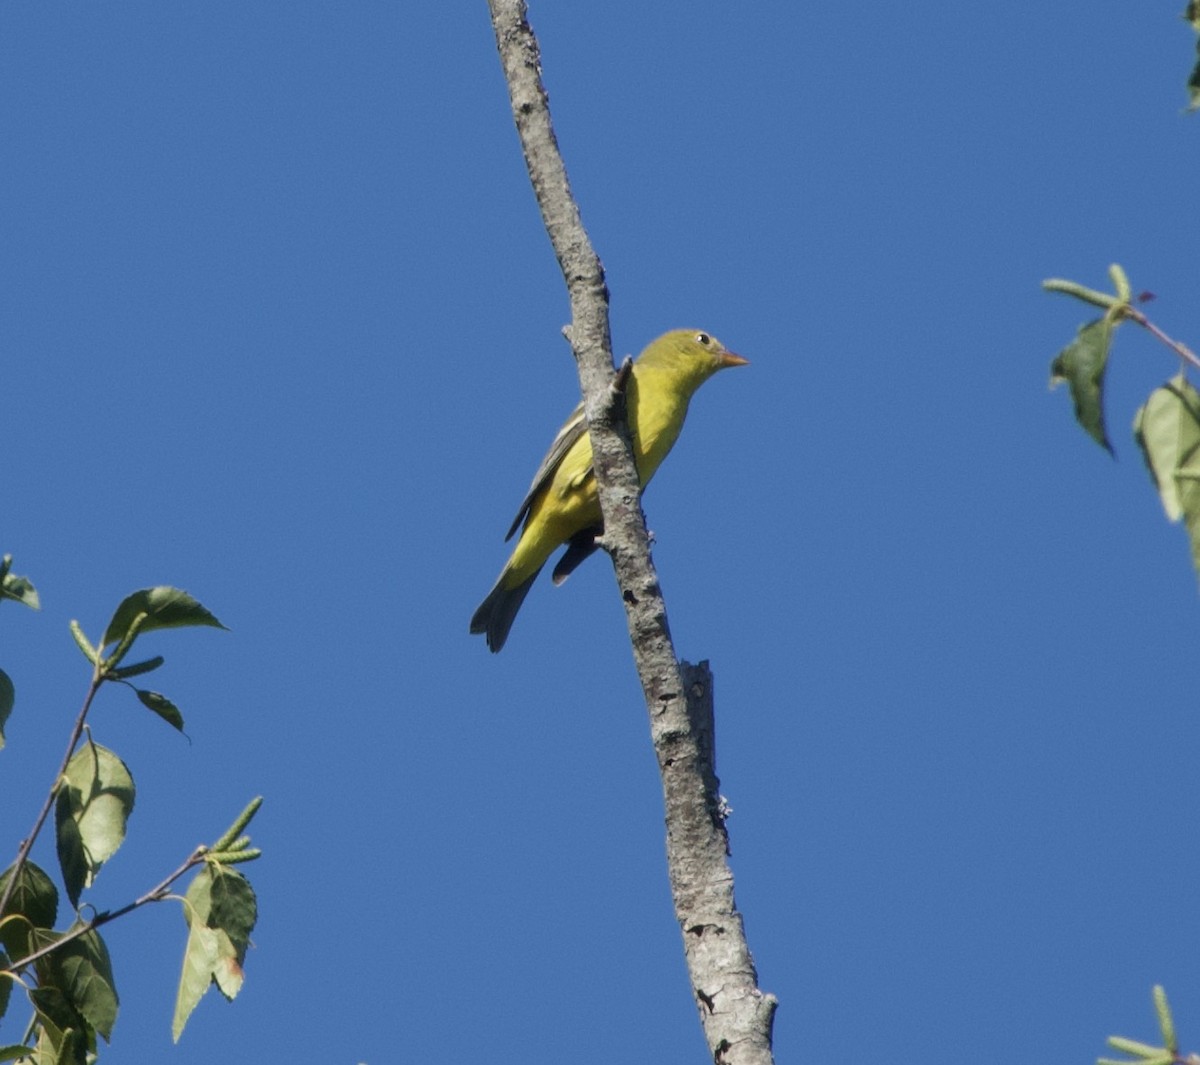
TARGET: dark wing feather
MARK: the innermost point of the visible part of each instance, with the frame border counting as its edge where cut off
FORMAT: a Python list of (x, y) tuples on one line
[(574, 428)]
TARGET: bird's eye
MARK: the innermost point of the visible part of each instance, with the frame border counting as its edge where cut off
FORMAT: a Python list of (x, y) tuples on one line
[(703, 338)]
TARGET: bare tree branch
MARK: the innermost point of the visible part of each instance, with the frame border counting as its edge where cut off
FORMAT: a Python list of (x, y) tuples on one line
[(736, 1016)]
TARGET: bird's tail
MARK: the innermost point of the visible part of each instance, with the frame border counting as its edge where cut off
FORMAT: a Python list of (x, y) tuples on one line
[(498, 611)]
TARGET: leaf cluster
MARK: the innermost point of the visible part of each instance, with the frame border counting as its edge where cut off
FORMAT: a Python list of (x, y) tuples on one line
[(1166, 427), (67, 976)]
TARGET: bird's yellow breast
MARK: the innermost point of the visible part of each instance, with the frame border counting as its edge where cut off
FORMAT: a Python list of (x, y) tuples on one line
[(656, 405), (656, 413)]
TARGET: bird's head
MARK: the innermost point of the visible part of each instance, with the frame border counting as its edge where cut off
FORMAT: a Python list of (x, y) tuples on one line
[(692, 354)]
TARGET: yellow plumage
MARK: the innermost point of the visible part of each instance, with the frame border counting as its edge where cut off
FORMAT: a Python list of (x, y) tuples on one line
[(561, 506)]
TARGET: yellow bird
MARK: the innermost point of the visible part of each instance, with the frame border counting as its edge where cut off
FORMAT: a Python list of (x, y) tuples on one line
[(561, 506)]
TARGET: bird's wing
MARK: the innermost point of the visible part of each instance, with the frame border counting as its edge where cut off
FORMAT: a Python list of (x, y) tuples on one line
[(568, 436)]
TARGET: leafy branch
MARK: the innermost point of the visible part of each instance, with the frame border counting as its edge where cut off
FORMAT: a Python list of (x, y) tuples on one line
[(67, 976), (1166, 427), (231, 853)]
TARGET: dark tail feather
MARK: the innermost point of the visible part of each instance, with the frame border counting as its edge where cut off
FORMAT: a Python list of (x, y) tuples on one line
[(498, 611)]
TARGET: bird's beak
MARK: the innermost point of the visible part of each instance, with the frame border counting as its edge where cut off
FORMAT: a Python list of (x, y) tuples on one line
[(730, 359)]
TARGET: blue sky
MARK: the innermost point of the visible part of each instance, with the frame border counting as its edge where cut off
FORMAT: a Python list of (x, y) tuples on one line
[(280, 326)]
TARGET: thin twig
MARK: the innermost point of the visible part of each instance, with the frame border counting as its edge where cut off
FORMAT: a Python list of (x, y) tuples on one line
[(1119, 306), (1178, 347), (155, 894)]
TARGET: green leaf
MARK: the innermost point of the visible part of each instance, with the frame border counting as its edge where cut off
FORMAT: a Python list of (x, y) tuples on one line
[(1189, 494), (222, 905), (234, 912), (68, 1048), (137, 669), (34, 895), (200, 957), (162, 706), (62, 1038), (6, 986), (15, 1053), (72, 858), (1082, 364), (20, 589), (228, 974), (82, 970), (93, 807), (164, 607), (221, 911), (33, 904), (234, 907), (199, 897), (8, 696), (1167, 429)]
